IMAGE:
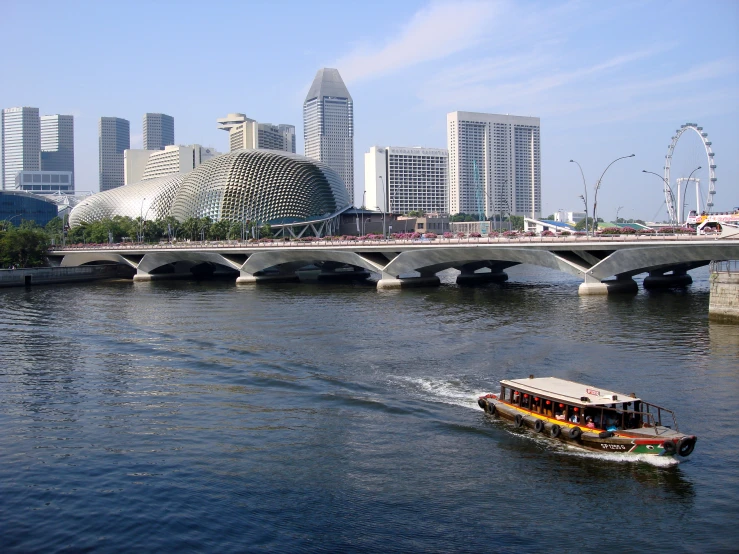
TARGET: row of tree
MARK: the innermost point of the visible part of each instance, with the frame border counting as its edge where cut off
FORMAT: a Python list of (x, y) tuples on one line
[(23, 246)]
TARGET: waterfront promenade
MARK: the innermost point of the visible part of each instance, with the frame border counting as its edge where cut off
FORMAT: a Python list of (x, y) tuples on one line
[(606, 264)]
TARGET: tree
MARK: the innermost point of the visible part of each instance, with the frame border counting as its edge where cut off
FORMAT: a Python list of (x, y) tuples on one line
[(219, 230), (580, 225), (23, 247), (550, 217), (415, 213), (517, 222)]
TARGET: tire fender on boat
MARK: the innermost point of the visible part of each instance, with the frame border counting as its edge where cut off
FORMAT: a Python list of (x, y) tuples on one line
[(539, 426), (519, 420), (685, 446), (605, 434), (575, 433), (491, 408), (669, 447), (482, 403), (555, 431)]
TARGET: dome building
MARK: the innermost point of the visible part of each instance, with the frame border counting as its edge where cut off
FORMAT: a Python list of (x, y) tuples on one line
[(282, 189)]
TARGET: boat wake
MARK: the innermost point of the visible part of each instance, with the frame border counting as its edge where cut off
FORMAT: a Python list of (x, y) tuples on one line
[(456, 393)]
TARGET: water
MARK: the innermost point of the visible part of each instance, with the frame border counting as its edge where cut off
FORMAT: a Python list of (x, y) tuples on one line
[(311, 417)]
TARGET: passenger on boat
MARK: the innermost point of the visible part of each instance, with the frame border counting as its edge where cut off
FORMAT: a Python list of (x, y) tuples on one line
[(574, 418), (559, 415), (590, 424)]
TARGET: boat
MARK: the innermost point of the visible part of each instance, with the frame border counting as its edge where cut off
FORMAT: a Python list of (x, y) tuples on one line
[(589, 417), (713, 223)]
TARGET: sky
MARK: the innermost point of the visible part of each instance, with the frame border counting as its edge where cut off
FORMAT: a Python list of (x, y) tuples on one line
[(606, 79)]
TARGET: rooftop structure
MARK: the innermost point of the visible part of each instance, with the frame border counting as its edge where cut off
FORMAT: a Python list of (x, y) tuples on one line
[(44, 182), (244, 132)]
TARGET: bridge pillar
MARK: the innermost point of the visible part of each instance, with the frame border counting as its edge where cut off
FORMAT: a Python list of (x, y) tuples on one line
[(658, 279), (472, 278), (592, 287), (392, 282), (249, 278)]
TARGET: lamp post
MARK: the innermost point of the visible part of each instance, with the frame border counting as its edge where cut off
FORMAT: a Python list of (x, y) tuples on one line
[(597, 188), (585, 198), (669, 188), (685, 194), (618, 210), (383, 220)]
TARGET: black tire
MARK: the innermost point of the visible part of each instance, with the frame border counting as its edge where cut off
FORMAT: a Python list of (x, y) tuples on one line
[(481, 402), (491, 408), (555, 431), (669, 447), (575, 433), (685, 446), (539, 426), (605, 434), (519, 420)]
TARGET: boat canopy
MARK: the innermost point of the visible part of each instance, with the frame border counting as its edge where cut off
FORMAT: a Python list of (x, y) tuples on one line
[(568, 391)]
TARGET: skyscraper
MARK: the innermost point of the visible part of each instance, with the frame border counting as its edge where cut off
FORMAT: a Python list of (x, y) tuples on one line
[(114, 137), (158, 131), (328, 122), (494, 164), (57, 143), (20, 143)]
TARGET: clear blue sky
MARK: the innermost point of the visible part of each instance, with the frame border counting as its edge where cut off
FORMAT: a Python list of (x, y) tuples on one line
[(606, 79)]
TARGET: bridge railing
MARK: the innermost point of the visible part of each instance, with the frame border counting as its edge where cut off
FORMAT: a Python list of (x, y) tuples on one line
[(388, 242), (724, 266)]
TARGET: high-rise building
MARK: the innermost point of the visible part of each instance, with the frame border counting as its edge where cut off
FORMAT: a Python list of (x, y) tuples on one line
[(57, 144), (248, 133), (158, 131), (400, 180), (114, 136), (494, 164), (20, 144), (142, 165), (328, 123)]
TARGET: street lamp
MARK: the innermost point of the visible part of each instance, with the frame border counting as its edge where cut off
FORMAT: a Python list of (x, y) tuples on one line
[(383, 220), (685, 194), (618, 210), (585, 199), (669, 188), (597, 188)]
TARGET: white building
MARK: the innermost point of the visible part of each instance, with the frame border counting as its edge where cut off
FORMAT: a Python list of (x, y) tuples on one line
[(494, 164), (20, 144), (400, 180), (142, 165), (568, 217), (248, 133), (328, 125), (158, 131), (57, 144), (44, 182)]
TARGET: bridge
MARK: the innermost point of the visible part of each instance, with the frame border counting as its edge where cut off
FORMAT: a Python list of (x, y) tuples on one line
[(605, 264)]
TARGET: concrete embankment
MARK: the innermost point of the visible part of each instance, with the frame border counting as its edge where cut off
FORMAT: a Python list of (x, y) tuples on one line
[(56, 275), (724, 301)]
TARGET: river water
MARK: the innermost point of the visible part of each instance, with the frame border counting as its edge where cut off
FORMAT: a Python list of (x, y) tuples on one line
[(202, 416)]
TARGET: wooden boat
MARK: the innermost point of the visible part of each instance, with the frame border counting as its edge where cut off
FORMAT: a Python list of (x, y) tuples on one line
[(589, 417)]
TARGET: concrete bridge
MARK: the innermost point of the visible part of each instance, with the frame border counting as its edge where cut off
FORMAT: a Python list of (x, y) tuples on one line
[(605, 264)]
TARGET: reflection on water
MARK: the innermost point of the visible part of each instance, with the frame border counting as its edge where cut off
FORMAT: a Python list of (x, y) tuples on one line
[(202, 416)]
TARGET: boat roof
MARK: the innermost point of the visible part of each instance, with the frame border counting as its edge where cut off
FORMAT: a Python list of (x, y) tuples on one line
[(568, 391)]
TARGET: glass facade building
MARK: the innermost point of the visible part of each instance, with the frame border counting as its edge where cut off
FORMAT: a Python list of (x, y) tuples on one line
[(57, 144), (158, 131), (20, 143), (328, 121), (17, 206), (114, 136)]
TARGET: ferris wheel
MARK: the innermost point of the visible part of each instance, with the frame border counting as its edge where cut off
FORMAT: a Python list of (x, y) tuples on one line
[(669, 199)]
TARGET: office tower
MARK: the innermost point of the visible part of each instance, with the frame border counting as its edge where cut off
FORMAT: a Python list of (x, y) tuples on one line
[(328, 122), (57, 144), (244, 132), (20, 144), (114, 136), (142, 165), (400, 180), (494, 164), (158, 131)]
